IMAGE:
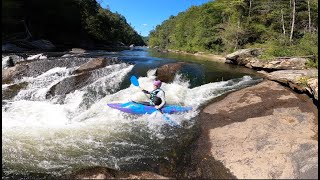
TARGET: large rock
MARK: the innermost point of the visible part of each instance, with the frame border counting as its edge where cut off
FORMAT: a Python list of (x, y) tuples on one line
[(12, 90), (243, 56), (249, 58), (42, 44), (9, 47), (301, 80), (7, 62), (14, 58), (278, 64), (107, 173), (77, 50), (96, 64), (167, 72), (9, 74), (312, 84), (262, 132), (69, 84)]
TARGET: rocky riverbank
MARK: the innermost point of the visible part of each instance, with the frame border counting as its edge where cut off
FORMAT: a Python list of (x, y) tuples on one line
[(264, 131), (289, 71)]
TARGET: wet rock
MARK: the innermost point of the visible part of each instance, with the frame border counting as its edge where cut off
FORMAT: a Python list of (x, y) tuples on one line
[(96, 64), (12, 90), (262, 132), (108, 173), (42, 44), (9, 74), (69, 84), (9, 47), (167, 72), (77, 51), (7, 62)]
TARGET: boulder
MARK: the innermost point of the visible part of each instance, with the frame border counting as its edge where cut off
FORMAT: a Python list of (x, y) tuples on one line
[(312, 83), (248, 58), (69, 84), (7, 62), (243, 56), (12, 90), (9, 47), (42, 44), (77, 51), (15, 58), (96, 64), (281, 64), (261, 132), (300, 80), (14, 72), (167, 72)]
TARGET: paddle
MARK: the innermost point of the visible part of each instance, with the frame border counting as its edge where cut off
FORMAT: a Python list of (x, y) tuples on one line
[(135, 82)]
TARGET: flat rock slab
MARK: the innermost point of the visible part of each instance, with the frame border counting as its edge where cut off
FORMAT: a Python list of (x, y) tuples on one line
[(301, 80), (264, 131)]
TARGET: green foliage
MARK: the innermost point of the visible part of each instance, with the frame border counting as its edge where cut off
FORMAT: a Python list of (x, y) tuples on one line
[(223, 26), (303, 80), (67, 22)]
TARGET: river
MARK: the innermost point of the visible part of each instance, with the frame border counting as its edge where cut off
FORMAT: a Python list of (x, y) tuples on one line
[(59, 134)]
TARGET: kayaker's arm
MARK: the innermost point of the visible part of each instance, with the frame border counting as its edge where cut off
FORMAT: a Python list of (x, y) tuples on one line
[(145, 91)]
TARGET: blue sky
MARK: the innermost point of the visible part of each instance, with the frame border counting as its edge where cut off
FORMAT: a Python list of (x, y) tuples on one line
[(145, 15)]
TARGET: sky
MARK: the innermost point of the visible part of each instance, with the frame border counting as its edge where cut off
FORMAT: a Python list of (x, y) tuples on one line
[(145, 15)]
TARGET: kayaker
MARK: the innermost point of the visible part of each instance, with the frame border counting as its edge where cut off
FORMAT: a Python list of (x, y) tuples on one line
[(157, 96)]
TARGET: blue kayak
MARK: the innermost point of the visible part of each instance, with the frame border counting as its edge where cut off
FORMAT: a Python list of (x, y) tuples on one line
[(144, 108)]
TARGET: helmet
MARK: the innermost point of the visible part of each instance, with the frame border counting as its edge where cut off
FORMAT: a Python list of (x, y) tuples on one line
[(157, 83)]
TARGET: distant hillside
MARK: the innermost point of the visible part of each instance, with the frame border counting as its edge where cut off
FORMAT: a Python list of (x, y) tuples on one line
[(81, 23), (283, 27)]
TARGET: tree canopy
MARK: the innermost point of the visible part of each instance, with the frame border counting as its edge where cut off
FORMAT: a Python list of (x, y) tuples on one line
[(66, 22), (223, 26)]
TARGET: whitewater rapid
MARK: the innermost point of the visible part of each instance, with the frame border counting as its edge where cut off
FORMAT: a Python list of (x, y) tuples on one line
[(52, 136)]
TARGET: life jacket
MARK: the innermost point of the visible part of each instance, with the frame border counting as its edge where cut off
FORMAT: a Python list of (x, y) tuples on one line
[(153, 97)]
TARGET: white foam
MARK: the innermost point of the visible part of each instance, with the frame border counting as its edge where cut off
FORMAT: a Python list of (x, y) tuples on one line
[(44, 136), (37, 56)]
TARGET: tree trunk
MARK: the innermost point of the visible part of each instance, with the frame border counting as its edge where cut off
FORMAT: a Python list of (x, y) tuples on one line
[(250, 3), (290, 3), (27, 30), (293, 18), (237, 36), (309, 13), (282, 20)]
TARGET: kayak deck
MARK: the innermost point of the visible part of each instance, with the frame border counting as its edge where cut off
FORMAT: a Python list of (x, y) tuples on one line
[(144, 108)]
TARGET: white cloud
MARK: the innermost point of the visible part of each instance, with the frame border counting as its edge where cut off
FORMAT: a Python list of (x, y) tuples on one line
[(144, 25)]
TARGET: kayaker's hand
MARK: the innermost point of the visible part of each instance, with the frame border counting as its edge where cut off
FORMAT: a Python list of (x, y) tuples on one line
[(145, 91), (157, 107)]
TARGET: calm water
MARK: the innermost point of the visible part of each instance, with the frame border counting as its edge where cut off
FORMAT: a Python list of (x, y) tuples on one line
[(59, 134)]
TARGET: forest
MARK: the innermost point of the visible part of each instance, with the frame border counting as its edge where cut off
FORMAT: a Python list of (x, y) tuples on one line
[(65, 23), (281, 27)]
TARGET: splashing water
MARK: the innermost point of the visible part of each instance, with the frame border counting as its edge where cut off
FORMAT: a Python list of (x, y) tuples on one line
[(42, 136)]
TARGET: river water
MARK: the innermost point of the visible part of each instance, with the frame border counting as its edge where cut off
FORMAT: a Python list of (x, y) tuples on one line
[(59, 134)]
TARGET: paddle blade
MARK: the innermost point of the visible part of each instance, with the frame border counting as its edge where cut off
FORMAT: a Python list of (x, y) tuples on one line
[(134, 80)]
